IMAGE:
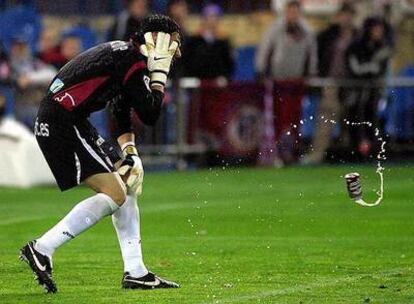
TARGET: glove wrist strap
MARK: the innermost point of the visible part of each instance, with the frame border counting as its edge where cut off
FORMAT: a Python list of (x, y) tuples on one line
[(128, 143), (158, 77), (129, 148)]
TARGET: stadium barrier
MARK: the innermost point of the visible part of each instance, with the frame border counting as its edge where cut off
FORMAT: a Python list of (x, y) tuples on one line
[(227, 117), (234, 121)]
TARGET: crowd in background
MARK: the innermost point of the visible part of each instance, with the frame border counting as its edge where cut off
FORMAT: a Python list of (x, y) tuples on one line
[(289, 50), (30, 68)]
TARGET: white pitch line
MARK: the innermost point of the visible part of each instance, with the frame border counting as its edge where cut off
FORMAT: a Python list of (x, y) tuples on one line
[(304, 287)]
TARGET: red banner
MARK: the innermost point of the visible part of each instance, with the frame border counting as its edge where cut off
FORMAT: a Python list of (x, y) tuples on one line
[(230, 118), (237, 122)]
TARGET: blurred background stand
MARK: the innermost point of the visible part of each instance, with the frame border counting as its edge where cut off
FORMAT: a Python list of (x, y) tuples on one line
[(21, 162)]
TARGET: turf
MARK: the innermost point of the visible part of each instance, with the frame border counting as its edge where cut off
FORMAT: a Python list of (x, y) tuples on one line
[(229, 236)]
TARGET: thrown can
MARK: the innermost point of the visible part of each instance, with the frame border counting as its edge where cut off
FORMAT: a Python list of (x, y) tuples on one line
[(353, 183)]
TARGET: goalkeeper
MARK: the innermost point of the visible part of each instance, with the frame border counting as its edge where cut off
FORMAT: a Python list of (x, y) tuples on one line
[(126, 76)]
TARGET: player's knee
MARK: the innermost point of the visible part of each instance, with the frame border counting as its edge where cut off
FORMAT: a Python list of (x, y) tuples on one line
[(109, 184), (116, 192), (118, 195)]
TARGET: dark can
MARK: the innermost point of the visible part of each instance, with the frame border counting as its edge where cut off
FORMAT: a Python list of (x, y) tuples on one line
[(353, 183)]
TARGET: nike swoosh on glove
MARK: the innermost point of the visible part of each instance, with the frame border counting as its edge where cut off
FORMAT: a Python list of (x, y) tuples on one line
[(160, 55)]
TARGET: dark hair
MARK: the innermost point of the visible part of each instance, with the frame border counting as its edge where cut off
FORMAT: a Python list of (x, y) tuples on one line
[(174, 2), (347, 8), (156, 23), (296, 3), (129, 2), (372, 22)]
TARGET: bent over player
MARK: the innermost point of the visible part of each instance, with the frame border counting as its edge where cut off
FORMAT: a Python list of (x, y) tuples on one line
[(127, 76)]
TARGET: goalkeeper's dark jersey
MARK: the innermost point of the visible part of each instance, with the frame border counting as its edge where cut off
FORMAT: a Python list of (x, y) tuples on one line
[(113, 74)]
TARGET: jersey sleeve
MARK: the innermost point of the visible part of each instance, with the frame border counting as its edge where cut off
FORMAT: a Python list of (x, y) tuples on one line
[(147, 103), (121, 116)]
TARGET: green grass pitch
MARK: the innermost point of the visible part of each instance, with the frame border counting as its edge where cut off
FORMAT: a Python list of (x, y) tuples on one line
[(229, 236)]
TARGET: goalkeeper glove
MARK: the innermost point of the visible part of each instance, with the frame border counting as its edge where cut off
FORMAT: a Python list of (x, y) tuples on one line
[(160, 55), (132, 165)]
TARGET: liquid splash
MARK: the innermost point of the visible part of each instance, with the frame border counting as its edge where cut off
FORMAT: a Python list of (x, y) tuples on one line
[(381, 156)]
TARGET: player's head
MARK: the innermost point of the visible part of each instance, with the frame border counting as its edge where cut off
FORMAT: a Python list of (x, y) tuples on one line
[(345, 15), (211, 16), (293, 11), (375, 29), (70, 46), (137, 8), (178, 10), (158, 23)]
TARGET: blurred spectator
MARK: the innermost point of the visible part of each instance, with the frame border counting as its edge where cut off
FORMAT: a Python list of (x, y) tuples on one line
[(129, 20), (49, 49), (208, 55), (31, 77), (367, 60), (58, 54), (288, 49), (4, 66), (178, 11), (332, 45), (287, 53), (384, 9), (5, 85), (71, 46)]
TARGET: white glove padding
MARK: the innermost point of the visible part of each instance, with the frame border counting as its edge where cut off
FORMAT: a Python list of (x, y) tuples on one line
[(132, 165), (160, 55)]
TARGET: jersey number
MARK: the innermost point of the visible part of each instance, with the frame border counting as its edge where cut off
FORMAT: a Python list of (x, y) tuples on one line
[(41, 129), (119, 45)]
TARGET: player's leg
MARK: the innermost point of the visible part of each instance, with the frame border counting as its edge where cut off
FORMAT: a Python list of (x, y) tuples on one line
[(75, 154), (110, 195), (126, 221), (127, 225)]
